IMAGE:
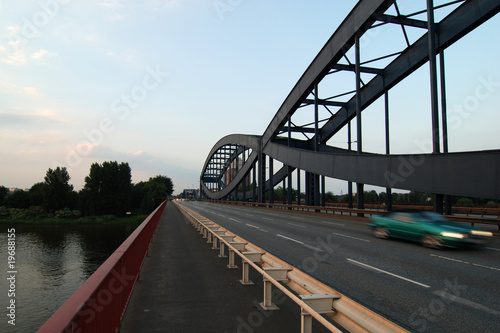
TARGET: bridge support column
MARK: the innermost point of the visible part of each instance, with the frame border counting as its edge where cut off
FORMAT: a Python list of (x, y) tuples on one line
[(359, 133), (262, 176), (298, 187), (361, 197), (436, 197), (437, 200), (271, 180), (444, 120), (388, 190), (284, 191), (254, 184), (323, 194), (312, 189)]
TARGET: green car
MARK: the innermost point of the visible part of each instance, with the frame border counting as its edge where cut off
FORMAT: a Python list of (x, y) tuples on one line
[(429, 228)]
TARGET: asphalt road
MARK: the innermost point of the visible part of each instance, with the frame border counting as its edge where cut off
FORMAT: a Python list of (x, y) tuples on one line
[(422, 290)]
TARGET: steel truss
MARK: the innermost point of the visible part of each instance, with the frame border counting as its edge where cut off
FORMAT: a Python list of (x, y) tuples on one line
[(242, 167)]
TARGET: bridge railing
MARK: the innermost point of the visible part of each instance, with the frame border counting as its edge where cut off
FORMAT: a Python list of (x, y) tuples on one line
[(472, 215), (100, 303)]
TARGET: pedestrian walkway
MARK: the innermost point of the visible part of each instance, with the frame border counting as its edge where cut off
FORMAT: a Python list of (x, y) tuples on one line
[(186, 287)]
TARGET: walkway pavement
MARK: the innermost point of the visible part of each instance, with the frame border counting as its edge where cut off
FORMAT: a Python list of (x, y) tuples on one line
[(186, 287)]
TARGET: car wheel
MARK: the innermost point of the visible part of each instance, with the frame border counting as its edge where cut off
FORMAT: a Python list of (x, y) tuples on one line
[(381, 232), (432, 242)]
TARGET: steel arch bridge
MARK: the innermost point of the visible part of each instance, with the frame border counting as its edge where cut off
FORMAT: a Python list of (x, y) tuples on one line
[(242, 166)]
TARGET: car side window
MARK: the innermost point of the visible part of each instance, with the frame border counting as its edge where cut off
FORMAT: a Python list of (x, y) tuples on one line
[(402, 218)]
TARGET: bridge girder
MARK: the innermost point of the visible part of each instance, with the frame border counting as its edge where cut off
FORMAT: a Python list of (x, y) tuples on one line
[(433, 173)]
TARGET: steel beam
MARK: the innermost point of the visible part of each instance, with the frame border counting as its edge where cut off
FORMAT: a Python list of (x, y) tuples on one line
[(414, 172)]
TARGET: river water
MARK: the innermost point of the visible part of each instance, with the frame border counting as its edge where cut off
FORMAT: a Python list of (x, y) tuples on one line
[(51, 262)]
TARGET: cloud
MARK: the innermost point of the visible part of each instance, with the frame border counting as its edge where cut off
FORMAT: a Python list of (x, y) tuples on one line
[(30, 91), (49, 116), (111, 4), (27, 152), (9, 88), (139, 152), (124, 55), (16, 51), (39, 54), (115, 9), (164, 4)]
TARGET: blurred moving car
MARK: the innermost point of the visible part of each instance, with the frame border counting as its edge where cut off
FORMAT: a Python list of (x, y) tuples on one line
[(429, 228)]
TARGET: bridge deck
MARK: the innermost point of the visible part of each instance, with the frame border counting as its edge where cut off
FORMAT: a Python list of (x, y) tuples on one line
[(185, 287)]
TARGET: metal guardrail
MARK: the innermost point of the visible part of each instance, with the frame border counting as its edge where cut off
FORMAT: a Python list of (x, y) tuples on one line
[(354, 211), (315, 299), (100, 303)]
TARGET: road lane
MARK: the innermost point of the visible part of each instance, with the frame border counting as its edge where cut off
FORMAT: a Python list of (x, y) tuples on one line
[(421, 289)]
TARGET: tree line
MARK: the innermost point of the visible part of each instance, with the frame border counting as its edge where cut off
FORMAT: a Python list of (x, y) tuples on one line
[(108, 190), (372, 197)]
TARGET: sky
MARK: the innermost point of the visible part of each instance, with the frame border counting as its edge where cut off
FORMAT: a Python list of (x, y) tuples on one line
[(156, 83)]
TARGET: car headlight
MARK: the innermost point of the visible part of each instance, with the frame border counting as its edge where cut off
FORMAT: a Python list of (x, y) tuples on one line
[(482, 233), (452, 234)]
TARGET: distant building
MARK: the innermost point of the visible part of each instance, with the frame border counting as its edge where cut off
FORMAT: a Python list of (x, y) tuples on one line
[(14, 189), (190, 194)]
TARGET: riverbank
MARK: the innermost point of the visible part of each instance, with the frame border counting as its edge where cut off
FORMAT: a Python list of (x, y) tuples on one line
[(105, 219)]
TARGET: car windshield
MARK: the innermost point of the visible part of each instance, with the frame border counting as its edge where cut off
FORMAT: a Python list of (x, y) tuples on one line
[(435, 218)]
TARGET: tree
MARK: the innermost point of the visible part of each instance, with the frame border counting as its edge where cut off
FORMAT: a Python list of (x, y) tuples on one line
[(146, 196), (57, 190), (156, 190), (37, 194), (3, 194), (18, 199), (107, 189)]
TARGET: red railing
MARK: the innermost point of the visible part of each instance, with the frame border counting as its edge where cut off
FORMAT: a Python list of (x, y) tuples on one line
[(99, 304)]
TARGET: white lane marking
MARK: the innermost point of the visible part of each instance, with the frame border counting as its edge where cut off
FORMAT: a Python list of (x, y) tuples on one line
[(465, 262), (221, 215), (297, 218), (492, 248), (268, 219), (301, 243), (297, 225), (256, 227), (293, 240), (235, 220), (317, 249), (335, 223), (466, 302), (388, 273), (360, 239)]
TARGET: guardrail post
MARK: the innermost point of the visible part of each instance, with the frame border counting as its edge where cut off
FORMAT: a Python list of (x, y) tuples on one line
[(239, 246), (211, 237), (254, 257), (217, 232), (221, 252), (321, 303), (245, 280), (279, 274), (231, 260), (305, 323), (224, 238)]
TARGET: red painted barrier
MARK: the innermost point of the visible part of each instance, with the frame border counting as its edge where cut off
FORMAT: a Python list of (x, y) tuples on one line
[(100, 303)]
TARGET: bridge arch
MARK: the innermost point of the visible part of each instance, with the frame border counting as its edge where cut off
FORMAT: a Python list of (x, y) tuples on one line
[(302, 143)]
